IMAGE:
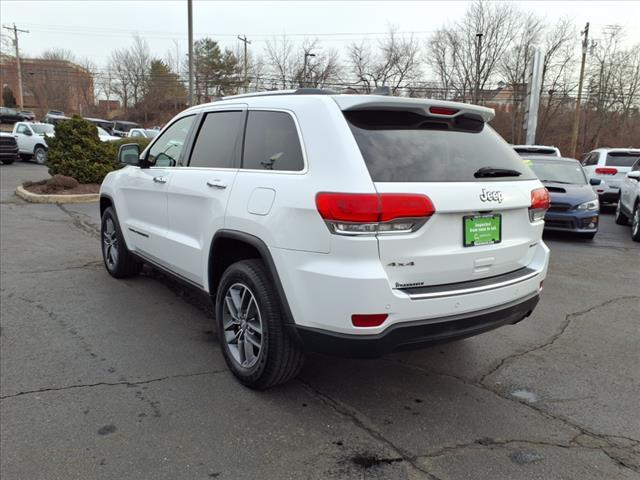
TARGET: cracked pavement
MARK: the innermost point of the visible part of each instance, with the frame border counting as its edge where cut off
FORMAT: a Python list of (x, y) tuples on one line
[(101, 378)]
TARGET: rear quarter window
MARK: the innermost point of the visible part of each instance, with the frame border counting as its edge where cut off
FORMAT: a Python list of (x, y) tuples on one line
[(400, 146), (272, 142)]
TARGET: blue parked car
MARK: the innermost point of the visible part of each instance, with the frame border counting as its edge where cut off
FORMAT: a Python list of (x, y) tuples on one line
[(574, 205)]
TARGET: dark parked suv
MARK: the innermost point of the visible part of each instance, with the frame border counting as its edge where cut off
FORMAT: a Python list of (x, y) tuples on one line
[(8, 148)]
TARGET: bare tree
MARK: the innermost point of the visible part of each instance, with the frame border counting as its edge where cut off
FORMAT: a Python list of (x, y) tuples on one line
[(396, 62), (558, 74), (280, 56), (466, 63), (514, 66)]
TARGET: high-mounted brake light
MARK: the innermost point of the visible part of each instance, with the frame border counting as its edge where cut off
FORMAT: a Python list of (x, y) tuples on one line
[(606, 171), (443, 111), (372, 320), (371, 213), (539, 204)]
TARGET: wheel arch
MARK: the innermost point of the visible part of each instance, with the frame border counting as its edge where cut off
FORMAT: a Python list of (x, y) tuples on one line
[(230, 246), (43, 145), (105, 202)]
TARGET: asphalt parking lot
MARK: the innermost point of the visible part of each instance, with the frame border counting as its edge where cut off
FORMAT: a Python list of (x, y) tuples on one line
[(103, 378)]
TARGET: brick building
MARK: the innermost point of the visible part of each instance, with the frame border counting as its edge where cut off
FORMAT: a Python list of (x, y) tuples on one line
[(49, 84)]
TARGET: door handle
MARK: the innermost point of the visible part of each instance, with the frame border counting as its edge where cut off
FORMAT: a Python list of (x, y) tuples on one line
[(216, 184), (160, 179)]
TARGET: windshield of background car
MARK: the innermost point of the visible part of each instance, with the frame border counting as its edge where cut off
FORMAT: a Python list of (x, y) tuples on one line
[(42, 129), (621, 159), (558, 171), (403, 146), (152, 133)]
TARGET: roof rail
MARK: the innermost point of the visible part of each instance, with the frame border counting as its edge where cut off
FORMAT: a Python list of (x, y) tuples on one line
[(299, 91)]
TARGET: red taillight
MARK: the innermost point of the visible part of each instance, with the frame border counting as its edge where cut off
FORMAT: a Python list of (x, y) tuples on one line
[(367, 213), (373, 320), (539, 204), (349, 207), (442, 111), (606, 171)]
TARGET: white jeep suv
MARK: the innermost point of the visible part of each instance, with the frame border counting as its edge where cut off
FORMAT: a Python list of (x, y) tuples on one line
[(628, 207), (350, 224)]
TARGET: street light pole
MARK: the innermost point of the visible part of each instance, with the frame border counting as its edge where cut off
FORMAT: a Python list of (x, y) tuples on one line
[(304, 68)]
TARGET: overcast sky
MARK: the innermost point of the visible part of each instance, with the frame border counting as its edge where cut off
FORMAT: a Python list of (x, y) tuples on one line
[(93, 29)]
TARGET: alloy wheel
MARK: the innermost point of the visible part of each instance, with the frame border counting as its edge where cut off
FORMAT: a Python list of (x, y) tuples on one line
[(242, 325), (41, 156), (635, 226), (110, 243)]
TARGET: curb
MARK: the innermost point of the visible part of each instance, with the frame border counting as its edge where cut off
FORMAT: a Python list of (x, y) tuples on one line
[(37, 198)]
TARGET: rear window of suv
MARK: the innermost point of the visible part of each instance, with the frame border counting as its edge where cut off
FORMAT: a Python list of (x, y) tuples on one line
[(621, 159), (403, 146)]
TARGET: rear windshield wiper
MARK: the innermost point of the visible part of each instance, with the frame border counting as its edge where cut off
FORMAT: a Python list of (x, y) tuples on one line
[(496, 172)]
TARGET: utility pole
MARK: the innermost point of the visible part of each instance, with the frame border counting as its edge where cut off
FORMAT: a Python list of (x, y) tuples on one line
[(245, 41), (576, 118), (478, 52), (18, 67), (190, 21)]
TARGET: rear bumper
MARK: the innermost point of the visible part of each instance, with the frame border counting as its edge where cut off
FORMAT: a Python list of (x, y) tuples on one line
[(415, 334)]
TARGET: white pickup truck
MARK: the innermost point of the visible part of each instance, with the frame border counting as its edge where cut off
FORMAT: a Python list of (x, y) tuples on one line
[(31, 139)]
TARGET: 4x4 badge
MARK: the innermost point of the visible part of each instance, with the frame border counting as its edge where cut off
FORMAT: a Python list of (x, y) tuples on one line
[(495, 196)]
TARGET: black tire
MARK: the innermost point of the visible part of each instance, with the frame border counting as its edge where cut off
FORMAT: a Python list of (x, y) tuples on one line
[(40, 155), (587, 236), (635, 223), (119, 264), (279, 357), (620, 218)]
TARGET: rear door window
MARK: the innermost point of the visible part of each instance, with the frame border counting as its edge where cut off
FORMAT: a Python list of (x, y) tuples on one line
[(401, 146), (218, 142), (272, 142), (621, 159)]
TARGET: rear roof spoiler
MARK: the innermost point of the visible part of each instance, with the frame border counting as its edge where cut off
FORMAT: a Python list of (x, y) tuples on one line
[(418, 105)]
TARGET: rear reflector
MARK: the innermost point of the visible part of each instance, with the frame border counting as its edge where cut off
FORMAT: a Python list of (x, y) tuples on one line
[(370, 213), (373, 320), (539, 204), (443, 111), (606, 171)]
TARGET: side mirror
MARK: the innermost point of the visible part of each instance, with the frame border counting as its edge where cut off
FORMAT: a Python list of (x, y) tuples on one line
[(635, 175), (27, 132), (129, 154), (595, 181)]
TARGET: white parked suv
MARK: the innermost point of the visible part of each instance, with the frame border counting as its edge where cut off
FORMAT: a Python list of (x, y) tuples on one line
[(610, 165), (628, 207), (32, 139), (350, 224)]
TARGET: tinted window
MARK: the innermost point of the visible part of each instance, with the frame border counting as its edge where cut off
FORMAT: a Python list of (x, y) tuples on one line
[(558, 171), (218, 142), (272, 143), (523, 151), (592, 159), (621, 159), (167, 149), (408, 147), (21, 129)]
